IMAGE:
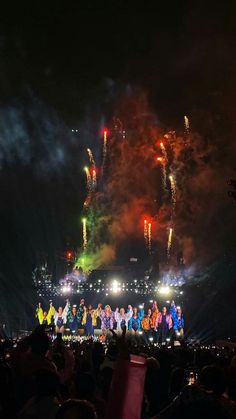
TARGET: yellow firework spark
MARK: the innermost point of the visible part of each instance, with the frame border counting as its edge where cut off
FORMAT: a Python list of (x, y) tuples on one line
[(169, 244), (85, 239), (173, 189), (91, 158), (186, 123)]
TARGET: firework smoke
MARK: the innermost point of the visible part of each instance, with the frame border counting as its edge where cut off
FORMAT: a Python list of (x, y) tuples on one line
[(134, 187)]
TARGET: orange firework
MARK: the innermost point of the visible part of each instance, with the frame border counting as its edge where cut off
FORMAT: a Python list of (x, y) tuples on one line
[(145, 232), (150, 237), (94, 179)]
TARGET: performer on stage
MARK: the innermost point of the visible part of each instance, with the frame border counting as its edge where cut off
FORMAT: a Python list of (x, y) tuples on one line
[(146, 324), (135, 321), (154, 317), (89, 320), (73, 319), (44, 317), (122, 318), (107, 319), (60, 318), (178, 320), (80, 311), (163, 325)]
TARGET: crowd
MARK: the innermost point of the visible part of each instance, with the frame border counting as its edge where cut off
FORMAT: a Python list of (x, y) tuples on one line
[(118, 380), (154, 324)]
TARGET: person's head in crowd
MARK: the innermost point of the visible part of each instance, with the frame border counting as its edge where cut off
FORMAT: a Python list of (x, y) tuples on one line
[(82, 301), (45, 315), (149, 312), (90, 307), (39, 342), (47, 383), (212, 379), (76, 409), (74, 309)]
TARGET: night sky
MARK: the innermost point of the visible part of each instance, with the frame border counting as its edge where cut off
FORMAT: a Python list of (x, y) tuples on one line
[(64, 66)]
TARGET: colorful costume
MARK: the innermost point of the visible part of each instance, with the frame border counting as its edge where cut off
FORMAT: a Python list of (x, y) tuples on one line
[(60, 319), (42, 319), (73, 320), (135, 322), (178, 321), (146, 325), (107, 319), (123, 320), (163, 325), (89, 320)]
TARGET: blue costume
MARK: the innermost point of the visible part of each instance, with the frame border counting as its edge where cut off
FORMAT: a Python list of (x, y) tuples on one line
[(135, 322), (178, 321)]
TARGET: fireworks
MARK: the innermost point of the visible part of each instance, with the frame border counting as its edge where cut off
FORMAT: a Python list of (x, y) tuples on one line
[(104, 147), (89, 179), (94, 179), (150, 237), (145, 232), (169, 244), (173, 190), (91, 158), (163, 149), (89, 187), (186, 124), (85, 239), (162, 161)]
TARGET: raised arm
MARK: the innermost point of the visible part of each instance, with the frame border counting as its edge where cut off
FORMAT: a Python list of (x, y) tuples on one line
[(117, 315), (51, 313), (129, 313)]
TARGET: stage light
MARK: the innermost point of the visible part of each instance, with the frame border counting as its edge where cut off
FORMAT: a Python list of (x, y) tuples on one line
[(151, 301), (167, 339), (115, 286), (140, 332), (165, 290)]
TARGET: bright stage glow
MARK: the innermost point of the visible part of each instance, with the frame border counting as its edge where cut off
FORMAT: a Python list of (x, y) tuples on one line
[(164, 290), (115, 286), (66, 289)]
